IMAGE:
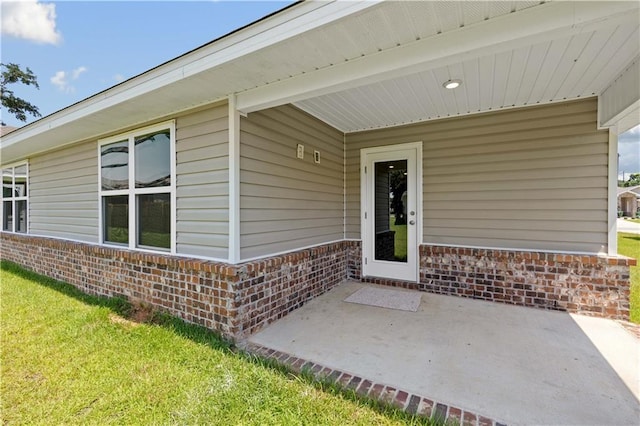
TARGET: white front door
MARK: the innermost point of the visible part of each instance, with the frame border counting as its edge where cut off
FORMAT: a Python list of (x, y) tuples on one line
[(391, 211)]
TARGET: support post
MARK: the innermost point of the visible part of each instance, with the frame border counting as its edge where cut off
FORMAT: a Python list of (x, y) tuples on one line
[(612, 198), (234, 181)]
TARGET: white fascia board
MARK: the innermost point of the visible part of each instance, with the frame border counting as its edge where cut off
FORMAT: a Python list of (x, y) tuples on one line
[(281, 26), (534, 25), (322, 14), (630, 119), (619, 103)]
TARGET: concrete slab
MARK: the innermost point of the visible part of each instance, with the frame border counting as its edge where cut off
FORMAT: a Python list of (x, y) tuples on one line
[(518, 365), (628, 226)]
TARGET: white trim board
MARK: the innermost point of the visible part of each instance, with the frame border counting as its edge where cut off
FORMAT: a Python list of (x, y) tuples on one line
[(234, 182), (612, 193)]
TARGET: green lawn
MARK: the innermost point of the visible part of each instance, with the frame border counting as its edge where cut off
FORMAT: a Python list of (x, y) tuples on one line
[(151, 239), (400, 239), (68, 358), (634, 220), (629, 245)]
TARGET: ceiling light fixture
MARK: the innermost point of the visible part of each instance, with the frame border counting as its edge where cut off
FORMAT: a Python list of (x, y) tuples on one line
[(451, 84)]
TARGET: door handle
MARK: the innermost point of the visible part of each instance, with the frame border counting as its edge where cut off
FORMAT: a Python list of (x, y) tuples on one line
[(412, 222)]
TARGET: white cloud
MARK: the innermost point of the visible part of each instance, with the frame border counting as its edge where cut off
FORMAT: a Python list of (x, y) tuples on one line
[(76, 73), (118, 78), (30, 20), (61, 79)]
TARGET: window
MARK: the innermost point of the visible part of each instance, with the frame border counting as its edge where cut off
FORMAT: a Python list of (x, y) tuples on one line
[(14, 198), (137, 189)]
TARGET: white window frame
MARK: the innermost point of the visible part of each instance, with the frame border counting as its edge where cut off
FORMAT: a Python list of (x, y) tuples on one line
[(14, 199), (132, 191)]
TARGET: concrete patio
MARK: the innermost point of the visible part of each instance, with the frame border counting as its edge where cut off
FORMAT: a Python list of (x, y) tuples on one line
[(516, 365)]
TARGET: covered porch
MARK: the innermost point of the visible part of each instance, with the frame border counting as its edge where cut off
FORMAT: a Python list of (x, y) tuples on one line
[(469, 359), (511, 179)]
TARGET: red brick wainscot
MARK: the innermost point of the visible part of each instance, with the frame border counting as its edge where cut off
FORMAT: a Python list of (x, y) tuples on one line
[(235, 300), (577, 283), (270, 288), (586, 284)]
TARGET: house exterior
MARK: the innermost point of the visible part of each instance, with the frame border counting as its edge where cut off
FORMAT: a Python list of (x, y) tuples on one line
[(628, 201), (236, 182)]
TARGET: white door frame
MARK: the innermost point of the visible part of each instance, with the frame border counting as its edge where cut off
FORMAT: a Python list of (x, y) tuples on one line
[(408, 271)]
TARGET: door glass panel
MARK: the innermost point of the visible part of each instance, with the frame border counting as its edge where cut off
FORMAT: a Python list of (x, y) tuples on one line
[(391, 211)]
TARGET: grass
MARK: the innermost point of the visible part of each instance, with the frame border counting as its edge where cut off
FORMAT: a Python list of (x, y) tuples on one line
[(70, 358), (400, 243), (634, 220), (629, 245), (150, 239)]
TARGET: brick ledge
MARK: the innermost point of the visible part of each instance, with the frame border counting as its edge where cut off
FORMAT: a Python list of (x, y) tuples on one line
[(404, 400)]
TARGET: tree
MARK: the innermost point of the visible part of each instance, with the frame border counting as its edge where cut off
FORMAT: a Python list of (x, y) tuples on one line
[(398, 186), (12, 73), (634, 180)]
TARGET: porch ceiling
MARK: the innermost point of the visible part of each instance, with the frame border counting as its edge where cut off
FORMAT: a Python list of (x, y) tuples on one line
[(575, 66), (363, 65), (507, 54)]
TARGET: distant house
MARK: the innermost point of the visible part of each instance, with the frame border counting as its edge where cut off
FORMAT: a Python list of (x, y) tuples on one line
[(236, 182), (629, 201), (6, 129)]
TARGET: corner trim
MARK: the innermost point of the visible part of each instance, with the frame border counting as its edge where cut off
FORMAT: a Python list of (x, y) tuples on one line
[(612, 193), (234, 181)]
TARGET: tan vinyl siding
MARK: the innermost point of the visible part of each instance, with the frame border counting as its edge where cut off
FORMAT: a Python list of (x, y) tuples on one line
[(529, 178), (63, 196), (202, 183), (287, 203)]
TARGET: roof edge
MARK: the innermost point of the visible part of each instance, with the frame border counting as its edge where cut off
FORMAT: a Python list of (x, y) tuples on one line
[(162, 68)]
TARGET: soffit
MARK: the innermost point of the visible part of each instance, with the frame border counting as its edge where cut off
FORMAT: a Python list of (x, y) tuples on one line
[(315, 39), (378, 28), (580, 65)]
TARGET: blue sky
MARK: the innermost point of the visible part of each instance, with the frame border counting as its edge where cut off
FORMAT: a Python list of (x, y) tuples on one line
[(78, 48), (629, 150)]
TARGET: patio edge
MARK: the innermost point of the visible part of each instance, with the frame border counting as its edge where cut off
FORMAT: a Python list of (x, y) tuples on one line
[(411, 403)]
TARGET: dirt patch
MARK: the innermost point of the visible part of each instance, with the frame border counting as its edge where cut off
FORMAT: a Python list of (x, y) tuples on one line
[(117, 319), (139, 314)]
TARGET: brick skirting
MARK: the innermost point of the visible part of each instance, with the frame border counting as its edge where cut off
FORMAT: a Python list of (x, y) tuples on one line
[(238, 300), (235, 300), (584, 284), (576, 283), (268, 289)]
